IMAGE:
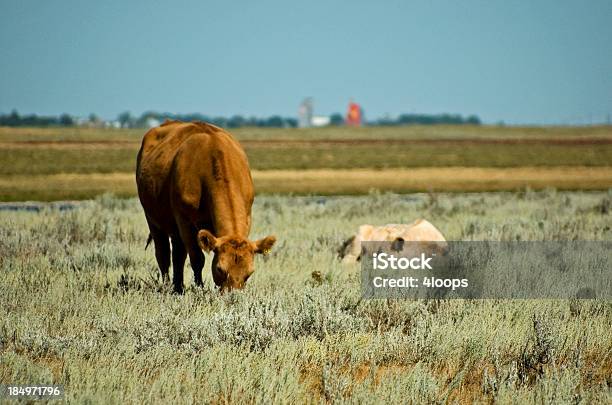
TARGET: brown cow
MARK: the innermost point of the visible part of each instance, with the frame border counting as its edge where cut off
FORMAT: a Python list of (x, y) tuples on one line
[(195, 186)]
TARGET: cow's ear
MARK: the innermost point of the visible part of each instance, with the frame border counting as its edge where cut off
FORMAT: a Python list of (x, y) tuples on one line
[(398, 244), (207, 240), (264, 245), (346, 247)]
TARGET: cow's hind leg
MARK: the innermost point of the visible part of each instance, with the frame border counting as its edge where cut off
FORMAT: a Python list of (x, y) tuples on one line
[(196, 257), (162, 251), (178, 262)]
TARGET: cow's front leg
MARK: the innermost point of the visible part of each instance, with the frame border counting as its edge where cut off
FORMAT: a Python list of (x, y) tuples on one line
[(196, 257)]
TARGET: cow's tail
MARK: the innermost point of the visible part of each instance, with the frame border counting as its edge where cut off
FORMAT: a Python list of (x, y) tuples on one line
[(149, 239)]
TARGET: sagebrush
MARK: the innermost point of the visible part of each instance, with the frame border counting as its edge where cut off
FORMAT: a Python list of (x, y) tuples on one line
[(81, 304)]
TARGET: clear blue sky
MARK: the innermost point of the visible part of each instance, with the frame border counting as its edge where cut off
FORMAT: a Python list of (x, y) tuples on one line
[(516, 61)]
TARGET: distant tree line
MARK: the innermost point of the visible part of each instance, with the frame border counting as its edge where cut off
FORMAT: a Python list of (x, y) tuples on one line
[(236, 121), (15, 120), (427, 119), (152, 118)]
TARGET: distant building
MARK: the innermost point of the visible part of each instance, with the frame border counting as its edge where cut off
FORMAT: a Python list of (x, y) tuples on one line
[(320, 120), (80, 121), (152, 122), (305, 113), (354, 115), (112, 124)]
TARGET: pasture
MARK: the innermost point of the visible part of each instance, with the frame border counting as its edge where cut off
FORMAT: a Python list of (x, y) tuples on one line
[(80, 163), (81, 305)]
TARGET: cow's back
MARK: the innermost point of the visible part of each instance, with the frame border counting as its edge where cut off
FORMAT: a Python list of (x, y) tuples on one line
[(172, 158), (420, 230)]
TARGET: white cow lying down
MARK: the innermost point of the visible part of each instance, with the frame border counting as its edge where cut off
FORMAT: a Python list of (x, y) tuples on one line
[(418, 231)]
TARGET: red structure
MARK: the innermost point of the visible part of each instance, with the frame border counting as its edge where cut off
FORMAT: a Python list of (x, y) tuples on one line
[(353, 116)]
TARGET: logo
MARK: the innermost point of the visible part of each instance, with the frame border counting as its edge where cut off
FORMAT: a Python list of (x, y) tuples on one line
[(383, 261)]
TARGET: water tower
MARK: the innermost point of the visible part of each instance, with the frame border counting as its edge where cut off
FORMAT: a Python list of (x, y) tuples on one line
[(354, 115), (305, 113)]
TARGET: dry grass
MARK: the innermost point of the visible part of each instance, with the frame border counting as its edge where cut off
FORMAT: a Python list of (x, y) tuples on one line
[(327, 182), (81, 305), (21, 158), (356, 181), (76, 163), (406, 132)]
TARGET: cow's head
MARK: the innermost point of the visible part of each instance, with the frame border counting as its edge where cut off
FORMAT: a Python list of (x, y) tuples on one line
[(233, 261)]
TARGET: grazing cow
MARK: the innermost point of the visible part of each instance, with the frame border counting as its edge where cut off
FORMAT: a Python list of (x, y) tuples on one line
[(195, 186), (418, 231)]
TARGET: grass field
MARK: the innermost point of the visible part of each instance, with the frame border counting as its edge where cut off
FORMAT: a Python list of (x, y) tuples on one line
[(81, 305), (326, 181), (412, 132), (36, 162)]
